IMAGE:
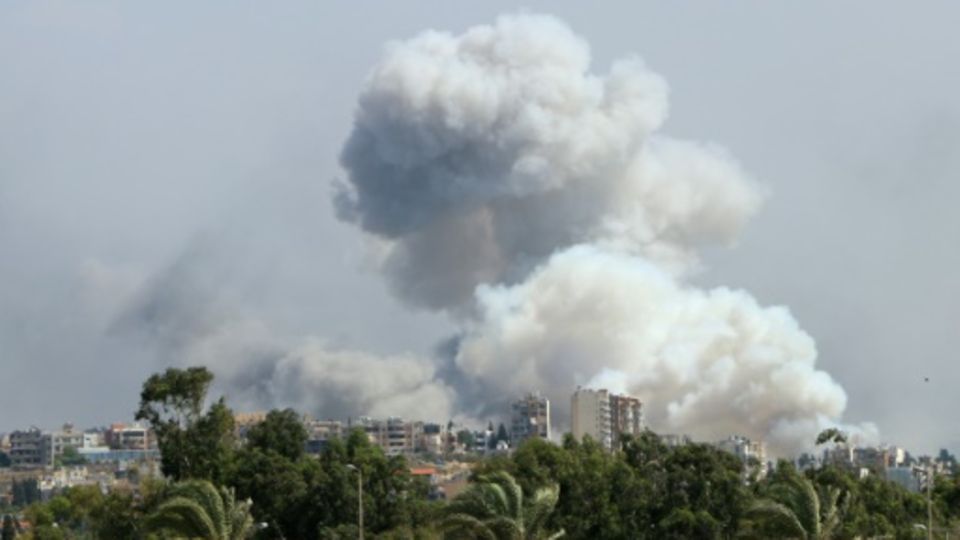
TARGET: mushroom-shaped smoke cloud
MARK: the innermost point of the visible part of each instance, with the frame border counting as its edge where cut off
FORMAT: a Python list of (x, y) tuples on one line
[(531, 198)]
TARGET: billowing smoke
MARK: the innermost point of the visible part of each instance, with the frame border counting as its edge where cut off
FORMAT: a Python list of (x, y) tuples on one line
[(711, 362), (187, 317), (533, 200), (477, 156)]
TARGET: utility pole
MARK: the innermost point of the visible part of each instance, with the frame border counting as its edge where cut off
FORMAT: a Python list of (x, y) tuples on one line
[(359, 498), (929, 503)]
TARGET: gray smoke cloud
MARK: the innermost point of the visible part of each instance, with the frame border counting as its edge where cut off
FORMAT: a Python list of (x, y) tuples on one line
[(188, 316), (532, 199), (474, 157)]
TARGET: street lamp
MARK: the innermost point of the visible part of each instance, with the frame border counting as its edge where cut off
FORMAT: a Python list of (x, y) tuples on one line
[(263, 525), (357, 470), (928, 476)]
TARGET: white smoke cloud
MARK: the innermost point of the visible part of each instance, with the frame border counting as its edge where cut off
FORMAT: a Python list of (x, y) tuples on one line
[(710, 363), (533, 199)]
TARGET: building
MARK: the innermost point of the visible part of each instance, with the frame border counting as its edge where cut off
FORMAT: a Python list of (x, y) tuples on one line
[(896, 456), (590, 416), (626, 417), (242, 422), (530, 417), (876, 460), (135, 436), (905, 477), (57, 442), (394, 435), (432, 439), (320, 432), (753, 454), (674, 440), (27, 448), (605, 416)]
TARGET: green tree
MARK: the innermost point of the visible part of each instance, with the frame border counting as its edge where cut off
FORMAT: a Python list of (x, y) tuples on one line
[(494, 508), (466, 438), (704, 481), (25, 492), (43, 523), (277, 486), (197, 509), (9, 530), (192, 444), (795, 509), (502, 434), (282, 432), (119, 514), (831, 435), (392, 499), (5, 460), (70, 457)]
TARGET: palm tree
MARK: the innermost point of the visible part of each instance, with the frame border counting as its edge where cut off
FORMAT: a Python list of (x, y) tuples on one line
[(197, 509), (796, 510), (494, 508), (831, 435)]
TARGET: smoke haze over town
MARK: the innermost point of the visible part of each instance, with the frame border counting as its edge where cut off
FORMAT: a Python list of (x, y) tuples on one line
[(745, 223)]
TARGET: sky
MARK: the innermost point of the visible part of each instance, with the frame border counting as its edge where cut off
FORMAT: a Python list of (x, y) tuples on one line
[(140, 142)]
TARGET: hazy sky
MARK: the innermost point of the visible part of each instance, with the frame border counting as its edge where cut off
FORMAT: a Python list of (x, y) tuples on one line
[(136, 140)]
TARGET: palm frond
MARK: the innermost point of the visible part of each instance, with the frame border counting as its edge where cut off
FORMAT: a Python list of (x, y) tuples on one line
[(505, 528), (185, 517), (512, 492), (540, 507), (779, 516), (460, 526)]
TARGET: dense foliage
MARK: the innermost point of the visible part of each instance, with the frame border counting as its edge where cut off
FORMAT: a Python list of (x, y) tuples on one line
[(644, 489)]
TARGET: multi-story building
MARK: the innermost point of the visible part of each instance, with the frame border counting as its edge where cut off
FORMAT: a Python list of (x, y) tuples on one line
[(320, 432), (626, 416), (876, 460), (673, 440), (905, 477), (394, 435), (27, 448), (242, 422), (135, 436), (753, 454), (896, 456), (530, 417), (55, 443), (590, 415), (432, 439), (605, 416)]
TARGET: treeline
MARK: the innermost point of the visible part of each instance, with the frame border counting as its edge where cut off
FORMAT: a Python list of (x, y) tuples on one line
[(269, 488)]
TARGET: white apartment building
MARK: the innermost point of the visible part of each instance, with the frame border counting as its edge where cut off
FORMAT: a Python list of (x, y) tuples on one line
[(590, 415), (753, 454), (605, 416), (530, 417)]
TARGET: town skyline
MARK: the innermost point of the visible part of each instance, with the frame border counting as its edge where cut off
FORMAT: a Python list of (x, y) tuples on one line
[(166, 201)]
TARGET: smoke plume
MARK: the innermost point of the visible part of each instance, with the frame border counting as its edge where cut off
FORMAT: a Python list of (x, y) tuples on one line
[(475, 157), (189, 316), (533, 200)]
